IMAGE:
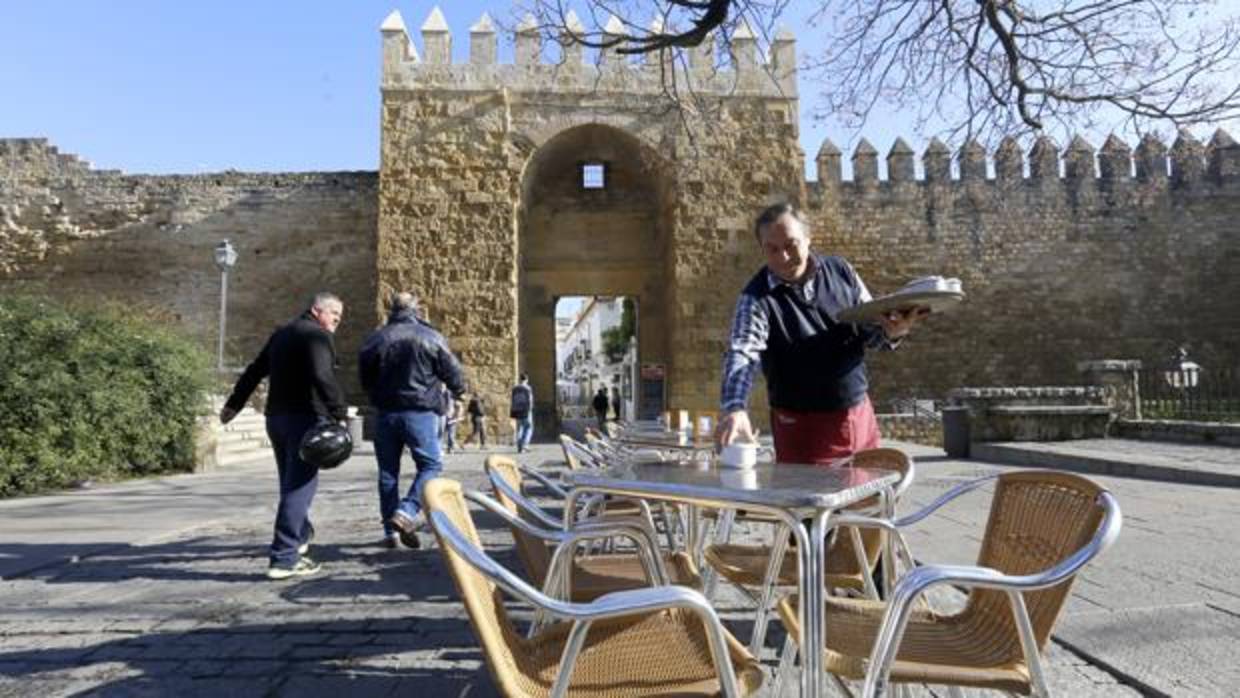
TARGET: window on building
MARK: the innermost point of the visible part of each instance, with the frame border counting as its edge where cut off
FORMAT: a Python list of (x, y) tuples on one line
[(593, 175)]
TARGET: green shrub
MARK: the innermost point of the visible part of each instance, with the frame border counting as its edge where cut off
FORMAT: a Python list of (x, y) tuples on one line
[(93, 392)]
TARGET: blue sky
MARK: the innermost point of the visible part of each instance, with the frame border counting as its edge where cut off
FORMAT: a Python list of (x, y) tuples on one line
[(156, 86), (167, 86)]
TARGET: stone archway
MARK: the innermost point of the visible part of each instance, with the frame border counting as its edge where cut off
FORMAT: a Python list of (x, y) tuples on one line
[(574, 241)]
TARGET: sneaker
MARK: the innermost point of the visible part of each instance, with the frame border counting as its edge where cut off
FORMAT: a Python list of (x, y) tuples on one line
[(390, 540), (305, 546), (406, 527), (304, 568)]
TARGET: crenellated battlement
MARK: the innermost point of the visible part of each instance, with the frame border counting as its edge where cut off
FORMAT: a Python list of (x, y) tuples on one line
[(747, 72), (41, 151), (1187, 162)]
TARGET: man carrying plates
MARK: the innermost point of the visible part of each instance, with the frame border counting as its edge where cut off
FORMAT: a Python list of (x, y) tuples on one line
[(786, 320)]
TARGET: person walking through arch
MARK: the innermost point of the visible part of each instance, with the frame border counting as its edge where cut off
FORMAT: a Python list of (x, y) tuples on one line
[(521, 409), (477, 419), (616, 404), (600, 405)]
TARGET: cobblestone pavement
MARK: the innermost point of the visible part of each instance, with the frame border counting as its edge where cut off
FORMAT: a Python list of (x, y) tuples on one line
[(185, 609)]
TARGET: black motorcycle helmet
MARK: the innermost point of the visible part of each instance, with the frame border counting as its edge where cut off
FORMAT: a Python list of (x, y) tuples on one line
[(326, 445)]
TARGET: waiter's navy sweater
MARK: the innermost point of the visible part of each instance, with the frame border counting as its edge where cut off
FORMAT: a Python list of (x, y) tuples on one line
[(813, 363)]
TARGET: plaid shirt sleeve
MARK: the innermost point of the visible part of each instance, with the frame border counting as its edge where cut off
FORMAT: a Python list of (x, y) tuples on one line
[(746, 343)]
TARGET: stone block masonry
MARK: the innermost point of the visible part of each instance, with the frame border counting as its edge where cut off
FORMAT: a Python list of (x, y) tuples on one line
[(1132, 254), (68, 230), (478, 208)]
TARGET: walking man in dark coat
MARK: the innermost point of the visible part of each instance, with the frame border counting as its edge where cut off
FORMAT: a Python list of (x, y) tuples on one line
[(404, 367), (299, 362)]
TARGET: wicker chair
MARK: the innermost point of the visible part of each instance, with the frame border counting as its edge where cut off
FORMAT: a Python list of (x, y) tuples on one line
[(578, 456), (590, 576), (646, 642), (1043, 527), (759, 569)]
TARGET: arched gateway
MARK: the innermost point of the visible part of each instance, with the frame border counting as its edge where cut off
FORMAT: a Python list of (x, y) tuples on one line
[(593, 221), (506, 186)]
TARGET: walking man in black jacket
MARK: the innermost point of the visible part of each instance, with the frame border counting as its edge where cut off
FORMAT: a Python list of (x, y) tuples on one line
[(403, 367), (299, 361)]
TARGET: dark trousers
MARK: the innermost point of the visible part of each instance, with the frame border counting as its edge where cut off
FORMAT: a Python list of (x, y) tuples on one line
[(479, 431), (298, 483)]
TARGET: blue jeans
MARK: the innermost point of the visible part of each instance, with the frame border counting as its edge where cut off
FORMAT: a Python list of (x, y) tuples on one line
[(525, 432), (419, 430), (298, 482)]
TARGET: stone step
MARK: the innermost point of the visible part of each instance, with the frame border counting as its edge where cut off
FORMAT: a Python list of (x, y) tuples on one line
[(225, 460), (246, 435), (228, 448)]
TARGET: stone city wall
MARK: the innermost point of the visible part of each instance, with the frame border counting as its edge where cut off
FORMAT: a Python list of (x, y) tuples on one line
[(1117, 253), (71, 231), (1064, 256)]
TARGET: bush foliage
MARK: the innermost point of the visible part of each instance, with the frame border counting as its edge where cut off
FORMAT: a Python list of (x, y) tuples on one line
[(93, 392)]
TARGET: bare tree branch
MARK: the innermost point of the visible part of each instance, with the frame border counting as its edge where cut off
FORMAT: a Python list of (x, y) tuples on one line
[(986, 68)]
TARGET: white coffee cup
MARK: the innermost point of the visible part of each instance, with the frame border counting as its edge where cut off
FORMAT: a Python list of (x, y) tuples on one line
[(739, 478), (739, 455)]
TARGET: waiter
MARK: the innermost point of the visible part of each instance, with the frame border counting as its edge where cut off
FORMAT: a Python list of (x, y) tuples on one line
[(814, 365)]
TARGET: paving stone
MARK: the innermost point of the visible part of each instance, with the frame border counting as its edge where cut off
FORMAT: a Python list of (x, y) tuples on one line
[(190, 613), (1138, 641)]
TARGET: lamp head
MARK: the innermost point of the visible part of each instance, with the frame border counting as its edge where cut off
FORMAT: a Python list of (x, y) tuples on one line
[(225, 256)]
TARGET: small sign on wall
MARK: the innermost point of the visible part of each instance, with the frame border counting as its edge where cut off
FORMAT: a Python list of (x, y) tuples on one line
[(651, 399)]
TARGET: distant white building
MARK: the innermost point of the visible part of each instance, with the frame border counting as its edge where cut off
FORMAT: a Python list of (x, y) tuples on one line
[(582, 364)]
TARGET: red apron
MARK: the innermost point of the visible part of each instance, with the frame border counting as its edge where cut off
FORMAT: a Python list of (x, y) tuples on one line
[(823, 437)]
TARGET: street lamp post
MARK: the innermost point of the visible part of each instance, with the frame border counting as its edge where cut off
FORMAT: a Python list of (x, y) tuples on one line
[(225, 259)]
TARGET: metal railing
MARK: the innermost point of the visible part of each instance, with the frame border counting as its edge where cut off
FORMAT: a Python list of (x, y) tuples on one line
[(918, 420), (1209, 396)]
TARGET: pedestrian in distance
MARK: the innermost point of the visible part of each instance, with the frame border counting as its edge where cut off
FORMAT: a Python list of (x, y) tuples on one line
[(521, 409), (600, 406), (448, 420), (404, 367), (814, 366), (616, 404), (477, 419), (299, 362)]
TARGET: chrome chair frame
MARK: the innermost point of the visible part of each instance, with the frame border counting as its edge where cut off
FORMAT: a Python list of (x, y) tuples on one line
[(588, 457), (913, 586), (613, 605), (559, 571), (920, 580), (765, 597), (548, 521)]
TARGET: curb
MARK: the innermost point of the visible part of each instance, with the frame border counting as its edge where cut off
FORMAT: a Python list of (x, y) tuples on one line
[(1010, 455)]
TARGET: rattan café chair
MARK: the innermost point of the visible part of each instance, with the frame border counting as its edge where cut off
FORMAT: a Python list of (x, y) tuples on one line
[(659, 641), (1043, 528), (582, 577), (579, 456), (758, 570)]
